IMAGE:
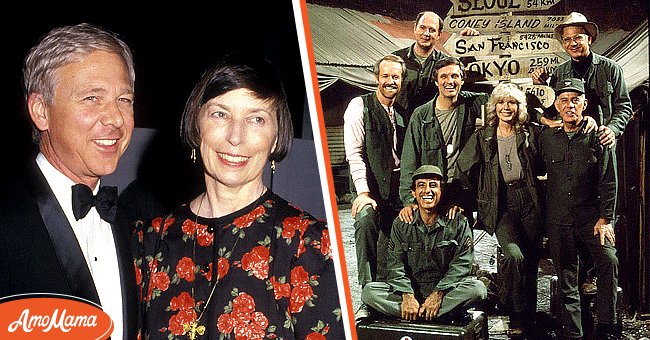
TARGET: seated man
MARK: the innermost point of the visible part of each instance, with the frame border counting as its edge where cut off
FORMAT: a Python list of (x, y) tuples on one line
[(429, 260)]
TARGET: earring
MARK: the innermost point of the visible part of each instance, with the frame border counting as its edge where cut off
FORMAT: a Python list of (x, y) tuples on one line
[(193, 155), (272, 173)]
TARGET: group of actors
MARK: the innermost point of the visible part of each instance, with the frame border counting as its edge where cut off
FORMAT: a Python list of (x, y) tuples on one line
[(238, 261), (422, 156), (235, 262)]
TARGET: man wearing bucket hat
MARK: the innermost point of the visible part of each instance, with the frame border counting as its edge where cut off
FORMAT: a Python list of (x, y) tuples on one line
[(429, 260), (581, 201), (603, 79)]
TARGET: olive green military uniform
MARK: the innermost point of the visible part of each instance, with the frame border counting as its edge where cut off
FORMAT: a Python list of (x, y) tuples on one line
[(581, 189), (423, 259)]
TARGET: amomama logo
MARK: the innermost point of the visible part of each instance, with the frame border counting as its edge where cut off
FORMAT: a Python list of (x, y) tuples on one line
[(48, 316)]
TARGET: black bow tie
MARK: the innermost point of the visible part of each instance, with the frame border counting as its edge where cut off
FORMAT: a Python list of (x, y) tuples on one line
[(105, 202)]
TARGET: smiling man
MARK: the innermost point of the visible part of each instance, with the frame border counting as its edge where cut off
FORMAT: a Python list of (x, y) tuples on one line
[(373, 135), (55, 236), (603, 79), (419, 82), (429, 260), (437, 132)]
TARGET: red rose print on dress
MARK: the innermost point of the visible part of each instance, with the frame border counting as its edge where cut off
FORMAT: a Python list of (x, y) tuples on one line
[(257, 261), (177, 321), (248, 219), (155, 223), (188, 227), (315, 336), (243, 320), (184, 303), (280, 288), (160, 282), (301, 293), (293, 223), (324, 245), (207, 273), (185, 269), (222, 267), (203, 237), (138, 273)]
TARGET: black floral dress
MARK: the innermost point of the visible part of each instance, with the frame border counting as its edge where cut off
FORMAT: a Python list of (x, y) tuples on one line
[(271, 263)]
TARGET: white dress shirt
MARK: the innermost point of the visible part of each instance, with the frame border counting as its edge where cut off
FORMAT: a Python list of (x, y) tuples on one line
[(95, 238)]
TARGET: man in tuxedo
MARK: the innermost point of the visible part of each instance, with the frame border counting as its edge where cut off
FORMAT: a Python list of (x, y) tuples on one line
[(79, 90)]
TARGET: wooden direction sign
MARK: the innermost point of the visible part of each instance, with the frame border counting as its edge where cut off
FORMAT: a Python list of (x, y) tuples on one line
[(543, 93), (473, 7), (517, 44), (505, 23), (509, 68)]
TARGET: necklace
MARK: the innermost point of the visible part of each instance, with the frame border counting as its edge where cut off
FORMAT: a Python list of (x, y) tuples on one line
[(511, 142), (191, 329)]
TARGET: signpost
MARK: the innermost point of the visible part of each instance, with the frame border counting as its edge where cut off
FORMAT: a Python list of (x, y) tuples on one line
[(517, 44), (544, 93), (498, 69), (510, 46), (472, 7), (505, 23)]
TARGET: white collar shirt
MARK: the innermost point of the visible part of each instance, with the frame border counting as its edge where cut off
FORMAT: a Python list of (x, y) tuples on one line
[(95, 238)]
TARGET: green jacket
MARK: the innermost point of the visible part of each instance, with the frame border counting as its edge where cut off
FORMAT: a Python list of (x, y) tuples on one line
[(422, 259), (479, 161), (604, 80), (418, 86), (378, 155), (581, 177), (424, 144)]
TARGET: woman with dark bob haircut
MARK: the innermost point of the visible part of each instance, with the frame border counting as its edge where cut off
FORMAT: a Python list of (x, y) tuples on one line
[(238, 261)]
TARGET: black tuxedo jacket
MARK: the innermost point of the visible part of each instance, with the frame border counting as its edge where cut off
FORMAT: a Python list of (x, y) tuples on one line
[(39, 252)]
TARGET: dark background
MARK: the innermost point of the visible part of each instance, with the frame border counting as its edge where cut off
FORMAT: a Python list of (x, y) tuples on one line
[(172, 46)]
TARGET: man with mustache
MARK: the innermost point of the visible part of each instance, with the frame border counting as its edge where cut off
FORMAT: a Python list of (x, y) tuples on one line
[(429, 260), (419, 83), (373, 136), (437, 132), (581, 201)]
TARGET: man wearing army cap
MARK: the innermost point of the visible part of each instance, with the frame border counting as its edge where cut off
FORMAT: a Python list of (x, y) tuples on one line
[(581, 200), (603, 79), (429, 260)]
